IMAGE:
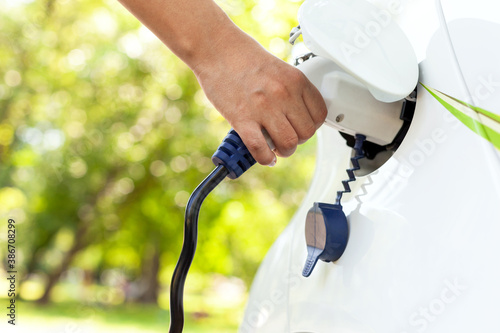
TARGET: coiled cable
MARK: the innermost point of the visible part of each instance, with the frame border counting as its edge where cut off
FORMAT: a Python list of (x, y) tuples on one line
[(358, 154)]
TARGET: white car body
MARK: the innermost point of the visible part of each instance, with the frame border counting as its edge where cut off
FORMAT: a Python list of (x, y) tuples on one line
[(424, 241)]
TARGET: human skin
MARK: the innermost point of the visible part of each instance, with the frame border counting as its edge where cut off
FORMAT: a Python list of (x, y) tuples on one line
[(250, 87)]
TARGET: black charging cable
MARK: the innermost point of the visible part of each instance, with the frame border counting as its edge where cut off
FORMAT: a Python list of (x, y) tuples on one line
[(189, 246), (358, 154), (232, 159)]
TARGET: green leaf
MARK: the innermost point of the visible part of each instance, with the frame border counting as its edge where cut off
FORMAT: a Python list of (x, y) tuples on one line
[(482, 122)]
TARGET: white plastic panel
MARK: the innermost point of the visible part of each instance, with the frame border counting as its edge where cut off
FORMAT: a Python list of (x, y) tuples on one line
[(422, 254), (364, 41), (351, 107), (475, 42)]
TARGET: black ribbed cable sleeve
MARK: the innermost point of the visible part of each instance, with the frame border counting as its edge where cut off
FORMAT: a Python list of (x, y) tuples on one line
[(189, 246), (358, 154)]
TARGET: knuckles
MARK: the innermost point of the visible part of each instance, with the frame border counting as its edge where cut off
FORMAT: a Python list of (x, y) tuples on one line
[(322, 113), (253, 144), (307, 132), (260, 99), (278, 90), (257, 149), (288, 144), (296, 77)]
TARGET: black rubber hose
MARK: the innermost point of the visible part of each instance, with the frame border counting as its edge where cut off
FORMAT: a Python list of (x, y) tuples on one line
[(189, 246)]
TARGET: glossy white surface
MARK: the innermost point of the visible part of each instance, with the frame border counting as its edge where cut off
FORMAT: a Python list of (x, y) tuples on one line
[(352, 109), (425, 227), (363, 40)]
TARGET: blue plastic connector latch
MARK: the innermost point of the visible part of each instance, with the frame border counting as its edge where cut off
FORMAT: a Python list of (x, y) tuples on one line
[(234, 155), (327, 233)]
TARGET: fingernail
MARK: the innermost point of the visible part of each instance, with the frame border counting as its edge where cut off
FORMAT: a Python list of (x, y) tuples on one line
[(273, 163)]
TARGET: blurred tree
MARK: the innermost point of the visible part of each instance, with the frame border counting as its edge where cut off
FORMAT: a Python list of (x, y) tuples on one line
[(104, 134)]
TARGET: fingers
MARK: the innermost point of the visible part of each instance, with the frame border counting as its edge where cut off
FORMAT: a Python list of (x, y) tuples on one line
[(315, 103), (283, 135), (268, 94), (288, 124), (251, 134), (302, 123), (306, 112)]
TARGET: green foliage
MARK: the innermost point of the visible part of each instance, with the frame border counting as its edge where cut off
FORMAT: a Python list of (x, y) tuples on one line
[(103, 135), (129, 318)]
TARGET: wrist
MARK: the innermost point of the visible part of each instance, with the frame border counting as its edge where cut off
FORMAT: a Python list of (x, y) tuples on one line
[(227, 49)]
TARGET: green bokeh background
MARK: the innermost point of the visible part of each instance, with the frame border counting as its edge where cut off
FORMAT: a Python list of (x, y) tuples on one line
[(103, 135)]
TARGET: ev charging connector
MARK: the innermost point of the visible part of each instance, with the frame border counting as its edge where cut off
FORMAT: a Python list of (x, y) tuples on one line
[(231, 159)]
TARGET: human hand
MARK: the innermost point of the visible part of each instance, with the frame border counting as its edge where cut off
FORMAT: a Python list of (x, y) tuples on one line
[(254, 90), (250, 87)]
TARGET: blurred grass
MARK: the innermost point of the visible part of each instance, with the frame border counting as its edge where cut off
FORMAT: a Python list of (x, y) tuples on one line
[(126, 318)]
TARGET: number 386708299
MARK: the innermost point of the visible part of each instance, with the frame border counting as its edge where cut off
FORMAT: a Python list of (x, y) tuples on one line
[(11, 256)]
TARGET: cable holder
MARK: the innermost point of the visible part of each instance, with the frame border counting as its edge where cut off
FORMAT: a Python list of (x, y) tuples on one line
[(326, 227)]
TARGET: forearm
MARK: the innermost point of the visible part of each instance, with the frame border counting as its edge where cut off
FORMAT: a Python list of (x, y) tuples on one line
[(192, 29), (251, 88)]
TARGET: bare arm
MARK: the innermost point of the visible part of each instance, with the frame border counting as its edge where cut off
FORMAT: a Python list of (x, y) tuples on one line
[(250, 87)]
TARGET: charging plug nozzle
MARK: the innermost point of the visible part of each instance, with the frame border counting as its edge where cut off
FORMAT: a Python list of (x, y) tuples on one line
[(233, 155)]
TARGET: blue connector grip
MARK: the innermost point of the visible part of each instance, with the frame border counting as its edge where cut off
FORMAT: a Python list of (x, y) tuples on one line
[(327, 233), (233, 155)]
